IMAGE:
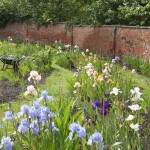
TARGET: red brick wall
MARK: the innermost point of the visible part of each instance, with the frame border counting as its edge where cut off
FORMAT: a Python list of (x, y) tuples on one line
[(49, 33), (98, 38), (29, 30), (117, 40), (132, 40), (10, 30)]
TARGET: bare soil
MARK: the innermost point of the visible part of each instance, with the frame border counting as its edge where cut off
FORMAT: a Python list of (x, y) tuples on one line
[(9, 92)]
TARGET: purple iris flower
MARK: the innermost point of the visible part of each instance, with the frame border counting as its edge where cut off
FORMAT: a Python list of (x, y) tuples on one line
[(125, 64), (106, 94), (106, 104), (104, 112), (93, 106), (96, 104)]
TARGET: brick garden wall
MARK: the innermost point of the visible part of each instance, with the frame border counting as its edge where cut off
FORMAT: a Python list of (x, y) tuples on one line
[(115, 40), (132, 40)]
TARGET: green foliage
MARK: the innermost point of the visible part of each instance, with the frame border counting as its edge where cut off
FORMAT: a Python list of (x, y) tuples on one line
[(43, 61), (95, 79), (68, 58), (33, 57), (91, 12), (11, 77), (140, 64)]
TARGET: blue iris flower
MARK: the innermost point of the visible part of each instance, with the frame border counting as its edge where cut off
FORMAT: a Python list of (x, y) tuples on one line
[(6, 143)]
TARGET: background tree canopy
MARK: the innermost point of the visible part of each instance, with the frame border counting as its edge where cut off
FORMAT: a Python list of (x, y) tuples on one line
[(82, 12)]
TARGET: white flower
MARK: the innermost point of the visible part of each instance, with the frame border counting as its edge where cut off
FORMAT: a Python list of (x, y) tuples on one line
[(136, 90), (137, 97), (133, 71), (14, 132), (135, 127), (76, 46), (90, 72), (89, 66), (87, 50), (83, 53), (115, 91), (117, 143), (67, 46), (101, 79), (105, 71), (10, 39), (136, 93), (113, 60), (74, 91), (59, 48), (130, 117), (94, 84), (134, 107), (106, 64), (30, 90), (117, 58), (38, 78), (124, 68), (35, 76), (77, 84)]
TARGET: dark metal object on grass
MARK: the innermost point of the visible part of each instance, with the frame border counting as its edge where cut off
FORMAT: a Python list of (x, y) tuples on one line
[(11, 59)]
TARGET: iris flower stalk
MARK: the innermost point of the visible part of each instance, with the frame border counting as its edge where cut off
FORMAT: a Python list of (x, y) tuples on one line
[(96, 115)]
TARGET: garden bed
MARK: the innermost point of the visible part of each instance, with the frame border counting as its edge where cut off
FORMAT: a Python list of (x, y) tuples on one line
[(101, 99), (10, 92)]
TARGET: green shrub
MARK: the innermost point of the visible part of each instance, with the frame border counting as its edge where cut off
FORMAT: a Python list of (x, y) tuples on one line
[(90, 12)]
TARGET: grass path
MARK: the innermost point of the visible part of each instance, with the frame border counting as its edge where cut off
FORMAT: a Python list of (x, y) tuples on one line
[(56, 83), (143, 83)]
